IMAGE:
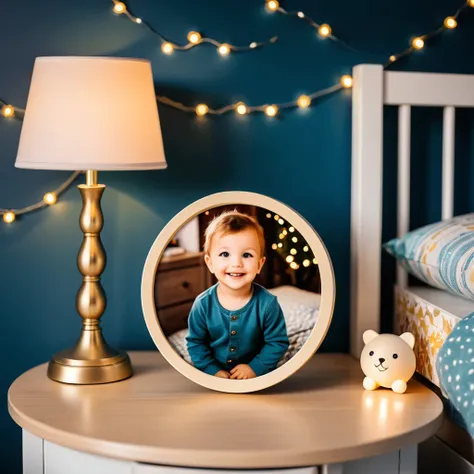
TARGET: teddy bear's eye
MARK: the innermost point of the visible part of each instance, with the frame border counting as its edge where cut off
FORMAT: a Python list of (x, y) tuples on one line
[(395, 356), (371, 353)]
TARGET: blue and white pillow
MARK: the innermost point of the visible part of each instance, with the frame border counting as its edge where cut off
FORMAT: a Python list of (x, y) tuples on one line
[(440, 254), (455, 368)]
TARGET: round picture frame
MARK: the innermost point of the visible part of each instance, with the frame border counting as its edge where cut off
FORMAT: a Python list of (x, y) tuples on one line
[(326, 308)]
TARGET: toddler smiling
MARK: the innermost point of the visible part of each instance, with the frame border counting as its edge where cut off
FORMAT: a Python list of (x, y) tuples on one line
[(236, 327)]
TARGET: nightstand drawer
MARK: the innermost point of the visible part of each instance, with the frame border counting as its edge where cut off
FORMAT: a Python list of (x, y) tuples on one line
[(177, 286)]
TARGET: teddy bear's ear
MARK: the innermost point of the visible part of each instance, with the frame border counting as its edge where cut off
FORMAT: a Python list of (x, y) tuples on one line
[(409, 338), (369, 335)]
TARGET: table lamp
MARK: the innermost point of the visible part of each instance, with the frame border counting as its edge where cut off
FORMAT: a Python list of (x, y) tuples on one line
[(91, 114)]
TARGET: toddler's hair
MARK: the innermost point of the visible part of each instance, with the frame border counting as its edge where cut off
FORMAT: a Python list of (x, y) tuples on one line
[(232, 222)]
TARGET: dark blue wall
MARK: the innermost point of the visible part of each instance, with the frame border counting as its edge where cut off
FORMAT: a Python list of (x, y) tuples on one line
[(302, 159)]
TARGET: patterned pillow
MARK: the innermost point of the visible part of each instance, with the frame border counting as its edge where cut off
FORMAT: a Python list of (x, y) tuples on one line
[(440, 254), (455, 367)]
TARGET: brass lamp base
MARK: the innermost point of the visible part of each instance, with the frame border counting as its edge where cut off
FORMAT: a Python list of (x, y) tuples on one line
[(91, 360), (63, 368)]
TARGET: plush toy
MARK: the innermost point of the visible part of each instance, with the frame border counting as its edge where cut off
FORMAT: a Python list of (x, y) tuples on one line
[(388, 360)]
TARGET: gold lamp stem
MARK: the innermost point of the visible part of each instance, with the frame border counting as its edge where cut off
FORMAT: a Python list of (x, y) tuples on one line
[(91, 360)]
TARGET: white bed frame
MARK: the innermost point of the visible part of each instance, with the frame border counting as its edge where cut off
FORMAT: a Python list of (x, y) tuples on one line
[(373, 87)]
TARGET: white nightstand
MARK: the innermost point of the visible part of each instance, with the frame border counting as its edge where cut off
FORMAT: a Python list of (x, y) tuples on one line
[(320, 420)]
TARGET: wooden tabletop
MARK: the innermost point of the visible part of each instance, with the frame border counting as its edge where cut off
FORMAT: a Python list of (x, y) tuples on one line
[(319, 415)]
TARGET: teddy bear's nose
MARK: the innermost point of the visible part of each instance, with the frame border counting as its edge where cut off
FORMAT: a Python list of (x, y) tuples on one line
[(381, 360)]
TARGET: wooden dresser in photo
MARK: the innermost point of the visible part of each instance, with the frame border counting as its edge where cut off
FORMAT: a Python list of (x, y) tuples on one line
[(179, 279)]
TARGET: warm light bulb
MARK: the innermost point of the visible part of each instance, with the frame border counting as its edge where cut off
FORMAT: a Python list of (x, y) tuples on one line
[(470, 3), (324, 30), (304, 101), (280, 245), (281, 221), (202, 109), (300, 15), (281, 236), (315, 261), (274, 246), (50, 198), (306, 263), (293, 251), (268, 215), (291, 229), (294, 239), (242, 110), (8, 111), (346, 81), (290, 258), (224, 49), (138, 20), (120, 7), (305, 248), (418, 43), (194, 37), (271, 110), (285, 232), (450, 22), (272, 5), (294, 265), (276, 217), (9, 217), (167, 48), (253, 44), (392, 58)]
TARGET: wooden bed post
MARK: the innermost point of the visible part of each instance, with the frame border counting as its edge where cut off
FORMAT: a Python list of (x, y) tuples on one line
[(366, 201)]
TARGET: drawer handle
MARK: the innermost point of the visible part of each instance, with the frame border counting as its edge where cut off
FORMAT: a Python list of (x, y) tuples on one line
[(185, 284)]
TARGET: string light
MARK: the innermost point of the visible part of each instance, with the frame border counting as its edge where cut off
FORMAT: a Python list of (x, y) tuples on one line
[(281, 222), (290, 258), (293, 251), (50, 198), (274, 246), (305, 248), (346, 81), (167, 48), (194, 38), (224, 49), (303, 101), (294, 239), (450, 22), (291, 229), (271, 110), (418, 43), (9, 217), (324, 30), (272, 5), (268, 215), (202, 109), (120, 8), (306, 263), (8, 111), (241, 108)]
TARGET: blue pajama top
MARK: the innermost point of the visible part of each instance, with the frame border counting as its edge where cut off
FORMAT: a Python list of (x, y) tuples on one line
[(220, 339)]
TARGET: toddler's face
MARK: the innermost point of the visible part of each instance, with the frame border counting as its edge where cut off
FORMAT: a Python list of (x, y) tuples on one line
[(235, 258)]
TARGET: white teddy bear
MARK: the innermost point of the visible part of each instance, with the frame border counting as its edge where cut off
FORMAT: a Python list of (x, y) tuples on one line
[(388, 360)]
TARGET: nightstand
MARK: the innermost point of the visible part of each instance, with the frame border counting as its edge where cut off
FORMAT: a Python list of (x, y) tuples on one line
[(320, 420)]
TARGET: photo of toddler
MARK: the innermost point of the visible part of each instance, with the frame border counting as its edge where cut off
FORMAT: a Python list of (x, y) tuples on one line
[(237, 329)]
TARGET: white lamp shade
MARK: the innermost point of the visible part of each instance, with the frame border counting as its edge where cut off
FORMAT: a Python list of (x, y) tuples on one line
[(91, 113)]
